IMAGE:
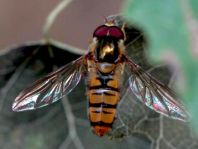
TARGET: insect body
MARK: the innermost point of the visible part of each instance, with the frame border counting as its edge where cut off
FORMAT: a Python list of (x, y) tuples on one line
[(104, 84), (104, 65)]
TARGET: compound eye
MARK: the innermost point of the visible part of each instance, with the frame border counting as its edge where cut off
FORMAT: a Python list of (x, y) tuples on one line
[(112, 31)]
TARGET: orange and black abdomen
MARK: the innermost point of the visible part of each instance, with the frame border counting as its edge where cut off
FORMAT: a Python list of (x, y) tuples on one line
[(103, 94)]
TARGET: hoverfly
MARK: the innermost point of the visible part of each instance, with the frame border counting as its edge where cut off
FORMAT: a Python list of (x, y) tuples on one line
[(104, 65)]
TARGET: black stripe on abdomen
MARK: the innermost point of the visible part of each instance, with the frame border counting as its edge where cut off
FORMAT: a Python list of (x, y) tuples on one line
[(101, 124), (98, 105)]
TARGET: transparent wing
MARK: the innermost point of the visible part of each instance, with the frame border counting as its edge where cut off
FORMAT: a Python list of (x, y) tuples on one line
[(154, 94), (51, 88)]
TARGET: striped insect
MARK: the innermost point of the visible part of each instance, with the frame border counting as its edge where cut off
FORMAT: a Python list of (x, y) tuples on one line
[(104, 65)]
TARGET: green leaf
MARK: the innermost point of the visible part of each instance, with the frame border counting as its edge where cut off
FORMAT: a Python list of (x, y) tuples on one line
[(162, 22), (194, 6), (165, 26)]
